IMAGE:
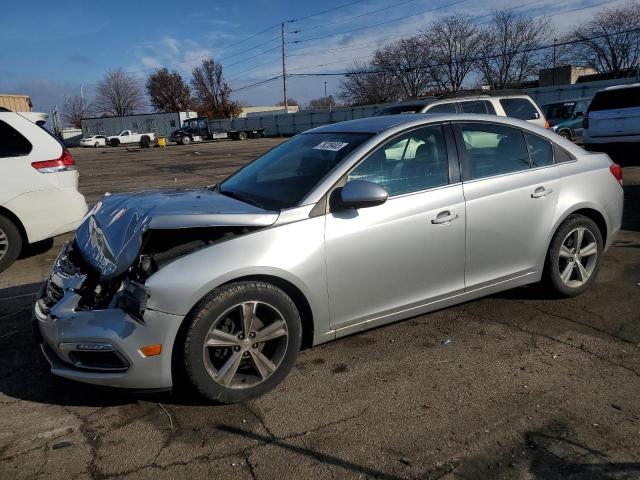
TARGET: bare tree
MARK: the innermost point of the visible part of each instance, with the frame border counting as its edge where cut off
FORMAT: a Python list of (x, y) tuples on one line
[(168, 92), (290, 102), (406, 61), (322, 103), (118, 94), (612, 51), (360, 87), (212, 92), (509, 48), (453, 42), (75, 109)]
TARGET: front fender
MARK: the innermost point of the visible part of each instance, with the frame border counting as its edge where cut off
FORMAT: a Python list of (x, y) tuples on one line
[(293, 252)]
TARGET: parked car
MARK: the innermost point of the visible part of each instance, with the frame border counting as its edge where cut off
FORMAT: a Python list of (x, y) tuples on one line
[(126, 137), (39, 195), (512, 105), (613, 117), (340, 229), (94, 141), (570, 129), (566, 110)]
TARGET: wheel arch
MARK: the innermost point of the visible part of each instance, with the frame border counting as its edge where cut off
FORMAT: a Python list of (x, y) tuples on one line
[(5, 212)]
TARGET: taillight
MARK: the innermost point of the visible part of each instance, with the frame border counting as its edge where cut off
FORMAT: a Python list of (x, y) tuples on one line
[(62, 164), (585, 120), (616, 171), (546, 124)]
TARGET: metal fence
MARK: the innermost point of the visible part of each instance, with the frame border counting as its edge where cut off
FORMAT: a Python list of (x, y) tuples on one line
[(293, 123)]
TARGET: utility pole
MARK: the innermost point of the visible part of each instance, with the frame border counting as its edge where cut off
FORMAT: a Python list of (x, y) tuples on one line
[(284, 70), (81, 101), (555, 40), (325, 95)]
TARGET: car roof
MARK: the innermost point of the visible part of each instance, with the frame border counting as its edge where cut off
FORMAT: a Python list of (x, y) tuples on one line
[(386, 122), (621, 87)]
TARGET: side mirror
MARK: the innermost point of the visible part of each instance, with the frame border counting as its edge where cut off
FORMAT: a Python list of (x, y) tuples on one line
[(362, 194)]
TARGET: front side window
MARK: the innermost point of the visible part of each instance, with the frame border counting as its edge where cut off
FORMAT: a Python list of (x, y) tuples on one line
[(412, 162), (443, 108), (282, 177), (494, 149), (520, 108), (12, 142)]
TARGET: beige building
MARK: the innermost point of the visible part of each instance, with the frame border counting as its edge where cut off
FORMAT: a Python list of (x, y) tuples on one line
[(262, 111), (564, 75), (16, 103)]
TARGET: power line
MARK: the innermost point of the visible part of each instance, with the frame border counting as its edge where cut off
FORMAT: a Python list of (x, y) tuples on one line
[(244, 87), (320, 25), (299, 19), (473, 59), (457, 2)]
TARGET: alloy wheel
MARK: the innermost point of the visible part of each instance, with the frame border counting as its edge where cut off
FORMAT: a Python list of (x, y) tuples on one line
[(4, 244), (245, 345), (577, 257)]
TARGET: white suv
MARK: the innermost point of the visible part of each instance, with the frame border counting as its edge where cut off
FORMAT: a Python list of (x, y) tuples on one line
[(503, 104), (613, 117), (39, 195)]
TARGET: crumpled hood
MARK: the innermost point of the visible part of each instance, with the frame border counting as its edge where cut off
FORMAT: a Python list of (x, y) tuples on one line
[(110, 236)]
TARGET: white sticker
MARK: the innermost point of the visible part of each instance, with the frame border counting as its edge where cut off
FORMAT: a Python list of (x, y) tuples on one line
[(331, 146)]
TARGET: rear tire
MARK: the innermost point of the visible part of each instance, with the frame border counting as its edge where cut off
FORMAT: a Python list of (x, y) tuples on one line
[(10, 243), (185, 141), (224, 357), (574, 256), (114, 142), (242, 136), (96, 145), (144, 142)]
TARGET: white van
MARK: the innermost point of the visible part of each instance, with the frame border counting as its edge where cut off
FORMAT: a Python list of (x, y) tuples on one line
[(39, 195), (613, 116)]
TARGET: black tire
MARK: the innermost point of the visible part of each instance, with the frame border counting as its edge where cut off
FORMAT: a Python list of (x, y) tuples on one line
[(242, 135), (96, 145), (218, 308), (566, 134), (10, 243), (553, 264), (144, 142), (114, 142), (185, 140)]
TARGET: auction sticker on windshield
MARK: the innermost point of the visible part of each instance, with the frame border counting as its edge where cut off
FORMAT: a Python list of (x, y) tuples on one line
[(331, 146)]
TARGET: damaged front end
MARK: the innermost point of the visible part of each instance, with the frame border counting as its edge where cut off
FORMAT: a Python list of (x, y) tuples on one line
[(92, 311)]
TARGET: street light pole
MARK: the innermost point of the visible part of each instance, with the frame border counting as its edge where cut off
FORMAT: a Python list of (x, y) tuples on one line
[(284, 70), (555, 40), (325, 95)]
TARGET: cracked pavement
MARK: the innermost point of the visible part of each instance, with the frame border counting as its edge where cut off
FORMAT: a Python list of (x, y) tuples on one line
[(513, 386)]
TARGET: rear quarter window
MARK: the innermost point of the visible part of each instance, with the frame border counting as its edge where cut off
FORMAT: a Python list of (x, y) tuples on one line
[(520, 108), (12, 142)]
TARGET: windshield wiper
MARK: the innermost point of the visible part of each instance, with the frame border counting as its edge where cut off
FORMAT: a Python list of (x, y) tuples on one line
[(239, 196)]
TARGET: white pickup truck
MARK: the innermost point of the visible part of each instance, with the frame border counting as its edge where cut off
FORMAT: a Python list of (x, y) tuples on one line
[(127, 136)]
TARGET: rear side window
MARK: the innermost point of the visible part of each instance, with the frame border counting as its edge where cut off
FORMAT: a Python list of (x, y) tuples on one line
[(561, 155), (615, 99), (12, 142), (520, 108), (494, 149), (478, 106), (540, 150), (443, 108)]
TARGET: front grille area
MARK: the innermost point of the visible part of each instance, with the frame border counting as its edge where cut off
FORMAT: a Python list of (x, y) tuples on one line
[(97, 360)]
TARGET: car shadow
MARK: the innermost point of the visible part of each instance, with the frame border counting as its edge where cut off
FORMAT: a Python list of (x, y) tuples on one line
[(37, 248)]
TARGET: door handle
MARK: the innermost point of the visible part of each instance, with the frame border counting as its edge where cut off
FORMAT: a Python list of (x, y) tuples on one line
[(444, 217), (541, 192)]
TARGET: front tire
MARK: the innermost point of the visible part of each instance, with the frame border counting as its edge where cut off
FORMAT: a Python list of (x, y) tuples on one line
[(242, 340), (10, 243), (185, 141), (574, 256), (565, 134)]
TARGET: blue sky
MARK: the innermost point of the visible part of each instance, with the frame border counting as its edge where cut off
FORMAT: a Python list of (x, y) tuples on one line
[(51, 49)]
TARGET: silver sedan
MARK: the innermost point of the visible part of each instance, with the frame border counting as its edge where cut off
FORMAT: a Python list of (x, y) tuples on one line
[(340, 229)]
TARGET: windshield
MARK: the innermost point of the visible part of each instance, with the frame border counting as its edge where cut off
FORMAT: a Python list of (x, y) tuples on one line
[(557, 111), (282, 177)]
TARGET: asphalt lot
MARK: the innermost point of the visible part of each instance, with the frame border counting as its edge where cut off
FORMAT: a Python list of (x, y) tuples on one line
[(514, 386)]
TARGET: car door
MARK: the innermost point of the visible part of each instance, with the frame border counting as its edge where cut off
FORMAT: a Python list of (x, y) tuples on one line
[(408, 251), (511, 193)]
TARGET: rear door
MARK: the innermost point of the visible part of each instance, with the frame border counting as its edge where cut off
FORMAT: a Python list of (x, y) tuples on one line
[(511, 193), (408, 251), (615, 113)]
